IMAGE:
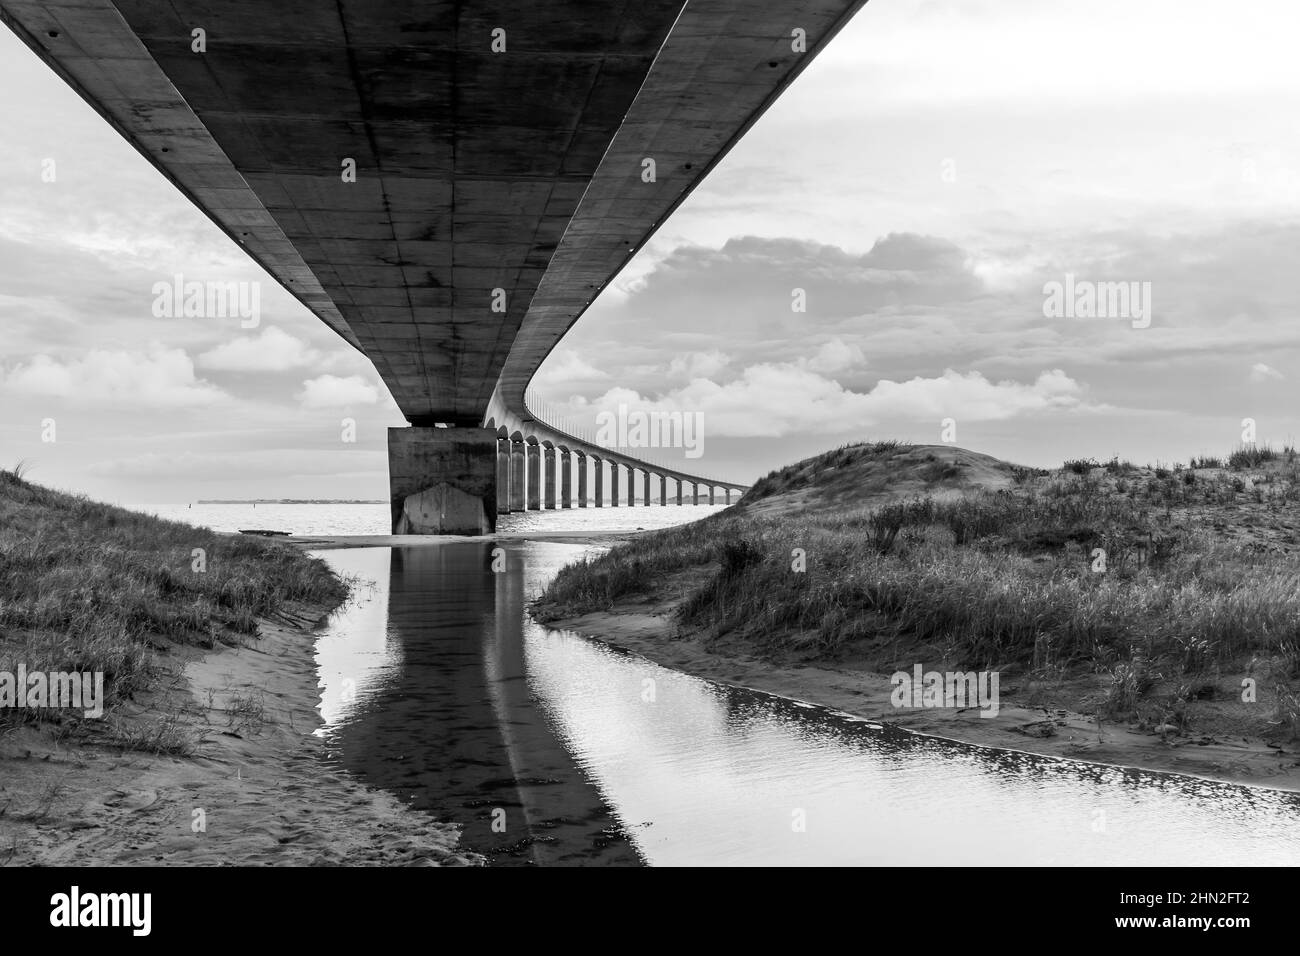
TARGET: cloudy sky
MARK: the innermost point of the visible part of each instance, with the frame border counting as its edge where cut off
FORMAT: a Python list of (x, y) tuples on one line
[(922, 182)]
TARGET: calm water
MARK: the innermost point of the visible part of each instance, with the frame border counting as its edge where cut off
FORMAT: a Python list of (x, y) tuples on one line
[(335, 519), (438, 687)]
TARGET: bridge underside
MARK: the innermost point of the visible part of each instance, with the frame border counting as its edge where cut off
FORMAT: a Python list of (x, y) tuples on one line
[(448, 184)]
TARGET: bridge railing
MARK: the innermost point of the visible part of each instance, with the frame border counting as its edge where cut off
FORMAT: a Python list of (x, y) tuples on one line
[(548, 414)]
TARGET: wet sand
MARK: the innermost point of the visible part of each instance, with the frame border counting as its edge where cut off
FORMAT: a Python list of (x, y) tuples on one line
[(255, 791)]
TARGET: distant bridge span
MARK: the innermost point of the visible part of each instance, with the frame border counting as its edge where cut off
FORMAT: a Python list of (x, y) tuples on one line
[(510, 157)]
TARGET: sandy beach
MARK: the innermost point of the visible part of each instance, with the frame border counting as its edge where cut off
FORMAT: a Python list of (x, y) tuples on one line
[(257, 789)]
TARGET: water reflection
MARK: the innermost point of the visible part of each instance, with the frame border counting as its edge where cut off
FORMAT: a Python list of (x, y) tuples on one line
[(441, 714), (462, 705)]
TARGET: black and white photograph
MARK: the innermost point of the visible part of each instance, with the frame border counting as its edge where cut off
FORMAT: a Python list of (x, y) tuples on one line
[(650, 433)]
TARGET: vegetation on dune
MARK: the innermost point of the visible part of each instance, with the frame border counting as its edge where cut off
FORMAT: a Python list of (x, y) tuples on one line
[(812, 471), (86, 586), (1142, 576)]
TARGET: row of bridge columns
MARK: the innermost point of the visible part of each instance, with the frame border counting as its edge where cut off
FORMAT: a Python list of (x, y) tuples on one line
[(533, 477)]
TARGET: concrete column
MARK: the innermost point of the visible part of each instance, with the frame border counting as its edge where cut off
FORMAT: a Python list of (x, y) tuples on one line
[(695, 492), (679, 491), (566, 479), (518, 469), (645, 486), (534, 477), (442, 480), (631, 487), (549, 494), (663, 489), (728, 496), (582, 480), (503, 476), (598, 466), (613, 484), (712, 491)]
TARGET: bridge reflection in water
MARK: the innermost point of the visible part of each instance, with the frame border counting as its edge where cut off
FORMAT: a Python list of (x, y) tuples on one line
[(443, 715), (463, 707)]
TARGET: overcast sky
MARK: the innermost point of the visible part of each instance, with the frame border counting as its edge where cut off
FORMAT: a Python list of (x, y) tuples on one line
[(921, 182)]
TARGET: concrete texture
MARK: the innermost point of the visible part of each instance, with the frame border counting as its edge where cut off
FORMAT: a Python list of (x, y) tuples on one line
[(566, 479), (534, 477), (549, 478), (503, 476), (518, 473), (442, 480)]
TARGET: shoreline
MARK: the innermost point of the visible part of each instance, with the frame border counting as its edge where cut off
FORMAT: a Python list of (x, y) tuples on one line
[(335, 542), (644, 627), (256, 789)]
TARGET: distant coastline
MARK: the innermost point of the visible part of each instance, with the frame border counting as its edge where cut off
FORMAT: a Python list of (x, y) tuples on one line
[(290, 501)]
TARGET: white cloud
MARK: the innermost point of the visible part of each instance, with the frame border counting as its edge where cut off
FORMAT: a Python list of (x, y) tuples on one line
[(772, 400), (565, 368), (1259, 372), (698, 365), (159, 377), (330, 391), (837, 356), (271, 351), (922, 52)]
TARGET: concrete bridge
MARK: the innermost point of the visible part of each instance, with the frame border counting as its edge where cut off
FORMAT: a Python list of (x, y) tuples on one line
[(541, 467), (447, 184)]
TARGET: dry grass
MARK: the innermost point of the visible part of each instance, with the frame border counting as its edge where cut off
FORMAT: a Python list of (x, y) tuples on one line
[(91, 587), (1201, 575)]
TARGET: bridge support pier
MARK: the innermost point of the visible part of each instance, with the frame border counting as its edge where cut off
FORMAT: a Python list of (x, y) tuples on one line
[(443, 480), (582, 480), (695, 492), (663, 489), (598, 465), (645, 486), (566, 479), (503, 476), (517, 469), (679, 491), (534, 477), (548, 494), (613, 484)]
